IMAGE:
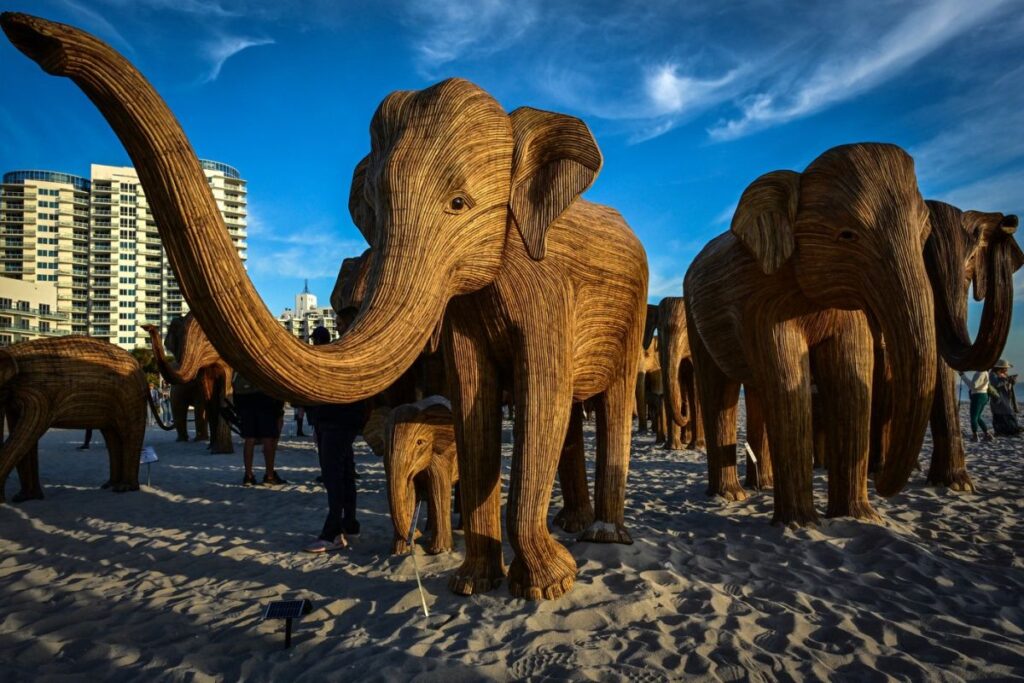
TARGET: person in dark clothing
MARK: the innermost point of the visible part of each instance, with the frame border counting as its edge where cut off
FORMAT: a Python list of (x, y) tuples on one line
[(335, 428), (260, 418), (88, 438), (1004, 401)]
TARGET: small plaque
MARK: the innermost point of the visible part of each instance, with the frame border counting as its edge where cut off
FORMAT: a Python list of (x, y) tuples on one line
[(287, 609), (147, 456)]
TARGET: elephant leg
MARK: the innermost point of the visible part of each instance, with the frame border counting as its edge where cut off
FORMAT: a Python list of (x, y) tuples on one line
[(29, 420), (202, 428), (641, 404), (179, 411), (881, 410), (782, 371), (949, 464), (439, 503), (476, 410), (112, 438), (696, 426), (663, 420), (818, 430), (28, 475), (673, 437), (718, 395), (220, 430), (576, 513), (759, 474), (842, 371), (542, 567), (613, 444)]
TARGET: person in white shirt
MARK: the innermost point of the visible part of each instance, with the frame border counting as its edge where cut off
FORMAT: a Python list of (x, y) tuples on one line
[(979, 399)]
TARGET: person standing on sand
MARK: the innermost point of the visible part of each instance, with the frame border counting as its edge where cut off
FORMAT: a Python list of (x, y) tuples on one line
[(260, 417), (1004, 403), (979, 399), (335, 428)]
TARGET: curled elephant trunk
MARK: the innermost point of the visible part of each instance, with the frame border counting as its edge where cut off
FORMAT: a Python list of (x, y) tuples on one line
[(383, 341), (172, 373), (995, 261), (907, 322)]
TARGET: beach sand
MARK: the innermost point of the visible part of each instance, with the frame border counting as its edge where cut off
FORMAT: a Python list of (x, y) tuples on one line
[(170, 582)]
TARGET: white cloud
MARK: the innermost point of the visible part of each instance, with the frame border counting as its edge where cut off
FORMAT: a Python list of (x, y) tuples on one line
[(451, 29), (223, 48), (1000, 192), (95, 22), (850, 72)]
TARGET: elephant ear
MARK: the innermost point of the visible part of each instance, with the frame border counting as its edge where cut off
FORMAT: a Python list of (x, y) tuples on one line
[(358, 207), (650, 324), (764, 218), (555, 159), (993, 233), (8, 369)]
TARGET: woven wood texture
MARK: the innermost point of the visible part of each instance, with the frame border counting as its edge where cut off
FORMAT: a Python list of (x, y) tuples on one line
[(965, 247), (420, 463), (469, 210), (763, 306), (204, 378), (685, 429), (72, 382)]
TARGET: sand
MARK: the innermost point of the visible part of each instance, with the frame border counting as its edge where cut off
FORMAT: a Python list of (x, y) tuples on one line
[(169, 582)]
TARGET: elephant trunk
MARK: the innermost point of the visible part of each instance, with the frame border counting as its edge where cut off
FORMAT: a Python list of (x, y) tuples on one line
[(383, 341), (171, 372), (994, 266), (401, 497), (907, 323)]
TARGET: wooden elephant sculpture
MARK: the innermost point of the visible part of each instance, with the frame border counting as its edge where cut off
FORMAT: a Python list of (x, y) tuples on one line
[(964, 247), (788, 290), (684, 429), (478, 236), (198, 376), (72, 382), (420, 463), (648, 380)]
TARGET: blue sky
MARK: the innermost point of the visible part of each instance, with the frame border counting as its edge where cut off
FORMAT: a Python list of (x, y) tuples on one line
[(688, 101)]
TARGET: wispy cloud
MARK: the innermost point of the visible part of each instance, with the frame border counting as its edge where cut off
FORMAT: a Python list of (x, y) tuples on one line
[(223, 48), (97, 23), (450, 29), (312, 251), (849, 73), (205, 8)]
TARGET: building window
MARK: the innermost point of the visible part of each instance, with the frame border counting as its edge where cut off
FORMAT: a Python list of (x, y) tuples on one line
[(44, 309)]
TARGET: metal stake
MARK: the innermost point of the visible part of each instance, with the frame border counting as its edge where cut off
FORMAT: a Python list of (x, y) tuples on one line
[(415, 565)]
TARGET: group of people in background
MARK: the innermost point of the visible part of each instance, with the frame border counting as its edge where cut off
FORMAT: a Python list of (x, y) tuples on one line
[(994, 388)]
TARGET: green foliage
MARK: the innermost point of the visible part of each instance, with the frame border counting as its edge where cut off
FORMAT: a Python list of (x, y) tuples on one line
[(146, 360)]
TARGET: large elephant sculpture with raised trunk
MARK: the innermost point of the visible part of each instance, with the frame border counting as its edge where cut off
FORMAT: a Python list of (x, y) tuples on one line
[(199, 372), (71, 382), (789, 289), (479, 237)]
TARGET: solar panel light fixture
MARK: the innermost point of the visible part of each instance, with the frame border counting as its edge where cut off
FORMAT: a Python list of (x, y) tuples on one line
[(287, 610)]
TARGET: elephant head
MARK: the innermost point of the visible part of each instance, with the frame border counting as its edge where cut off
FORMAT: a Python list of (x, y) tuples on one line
[(966, 247), (414, 434), (192, 350), (674, 347), (350, 289), (852, 227), (450, 184)]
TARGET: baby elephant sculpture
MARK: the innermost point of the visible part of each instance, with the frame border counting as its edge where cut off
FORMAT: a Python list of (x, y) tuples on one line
[(75, 382), (420, 463)]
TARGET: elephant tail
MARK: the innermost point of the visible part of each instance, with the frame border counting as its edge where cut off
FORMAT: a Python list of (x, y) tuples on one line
[(156, 413)]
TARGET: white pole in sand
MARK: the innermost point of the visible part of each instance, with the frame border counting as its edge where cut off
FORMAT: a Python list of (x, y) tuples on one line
[(753, 458), (415, 565)]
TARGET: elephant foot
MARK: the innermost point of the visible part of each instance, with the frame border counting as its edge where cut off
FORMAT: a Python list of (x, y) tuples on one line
[(956, 481), (731, 491), (753, 481), (606, 532), (672, 446), (438, 546), (553, 578), (181, 438), (106, 485), (201, 437), (399, 546), (696, 446), (795, 514), (30, 494), (477, 575), (123, 487), (857, 509), (222, 451), (574, 520)]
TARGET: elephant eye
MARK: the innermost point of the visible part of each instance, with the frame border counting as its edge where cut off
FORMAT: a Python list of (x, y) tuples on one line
[(846, 236), (419, 442), (458, 204)]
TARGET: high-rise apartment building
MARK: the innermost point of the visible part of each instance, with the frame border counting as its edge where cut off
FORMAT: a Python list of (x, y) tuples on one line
[(97, 242), (306, 317)]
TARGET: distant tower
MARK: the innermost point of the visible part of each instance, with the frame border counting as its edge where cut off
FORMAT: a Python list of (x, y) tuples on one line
[(305, 301)]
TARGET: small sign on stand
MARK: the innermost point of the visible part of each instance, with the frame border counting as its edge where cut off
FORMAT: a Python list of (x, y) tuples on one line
[(147, 458), (287, 610)]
